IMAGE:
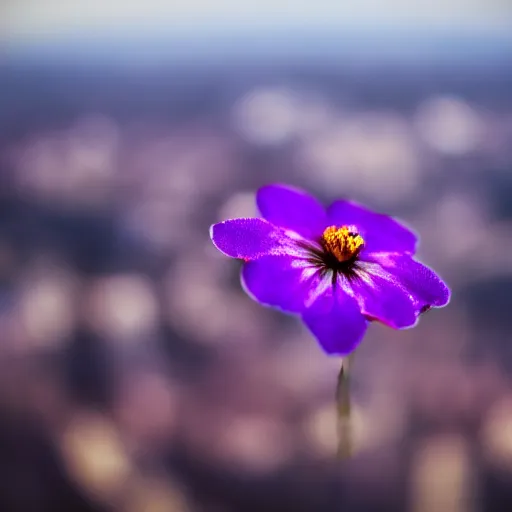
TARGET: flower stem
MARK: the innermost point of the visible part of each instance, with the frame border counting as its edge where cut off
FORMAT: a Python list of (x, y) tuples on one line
[(345, 447)]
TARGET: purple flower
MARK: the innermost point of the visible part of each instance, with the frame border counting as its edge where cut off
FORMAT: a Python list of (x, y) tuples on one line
[(338, 267)]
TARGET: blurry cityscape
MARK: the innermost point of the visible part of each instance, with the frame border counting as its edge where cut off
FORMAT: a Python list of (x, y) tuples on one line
[(136, 375)]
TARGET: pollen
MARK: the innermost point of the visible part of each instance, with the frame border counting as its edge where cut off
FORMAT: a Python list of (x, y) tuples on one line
[(343, 243)]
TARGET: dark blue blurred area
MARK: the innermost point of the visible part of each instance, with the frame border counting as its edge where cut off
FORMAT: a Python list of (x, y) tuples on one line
[(176, 78), (134, 372)]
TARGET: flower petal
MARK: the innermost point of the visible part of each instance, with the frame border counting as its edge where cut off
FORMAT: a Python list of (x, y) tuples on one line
[(293, 209), (384, 299), (250, 239), (336, 321), (281, 281), (426, 287), (380, 232)]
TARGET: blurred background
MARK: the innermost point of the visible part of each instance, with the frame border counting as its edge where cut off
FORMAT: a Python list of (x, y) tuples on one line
[(135, 374)]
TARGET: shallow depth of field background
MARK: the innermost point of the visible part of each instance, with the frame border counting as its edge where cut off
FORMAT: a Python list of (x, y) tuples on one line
[(135, 374)]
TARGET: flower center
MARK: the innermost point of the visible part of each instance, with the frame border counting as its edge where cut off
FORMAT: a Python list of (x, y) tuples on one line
[(343, 243)]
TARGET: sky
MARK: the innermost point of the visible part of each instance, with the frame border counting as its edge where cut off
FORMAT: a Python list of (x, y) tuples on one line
[(25, 20)]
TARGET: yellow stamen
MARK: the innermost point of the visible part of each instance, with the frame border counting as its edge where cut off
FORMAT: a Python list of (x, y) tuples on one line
[(343, 243)]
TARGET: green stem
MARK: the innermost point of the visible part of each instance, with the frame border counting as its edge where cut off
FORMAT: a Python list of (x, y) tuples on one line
[(345, 447)]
